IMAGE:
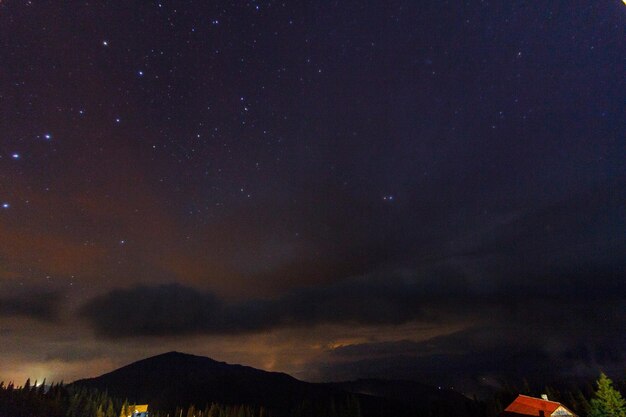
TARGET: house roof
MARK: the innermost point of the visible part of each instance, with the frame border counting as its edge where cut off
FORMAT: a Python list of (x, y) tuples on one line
[(140, 408), (531, 406)]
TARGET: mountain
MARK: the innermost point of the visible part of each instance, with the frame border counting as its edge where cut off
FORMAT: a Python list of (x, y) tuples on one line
[(177, 379)]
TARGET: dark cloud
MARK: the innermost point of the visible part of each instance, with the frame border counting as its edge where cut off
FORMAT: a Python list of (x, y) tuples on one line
[(74, 354), (175, 309), (379, 349), (37, 304), (442, 295), (472, 371), (546, 339), (472, 360)]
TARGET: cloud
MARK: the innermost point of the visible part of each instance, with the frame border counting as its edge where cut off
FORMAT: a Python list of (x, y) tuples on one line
[(379, 349), (74, 354), (440, 294), (473, 359), (463, 370), (36, 304), (175, 309), (510, 331)]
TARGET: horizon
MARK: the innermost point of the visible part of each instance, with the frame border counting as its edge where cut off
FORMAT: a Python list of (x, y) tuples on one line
[(403, 190), (499, 386)]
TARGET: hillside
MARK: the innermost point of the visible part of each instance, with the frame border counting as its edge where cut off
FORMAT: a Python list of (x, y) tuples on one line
[(421, 398), (177, 379)]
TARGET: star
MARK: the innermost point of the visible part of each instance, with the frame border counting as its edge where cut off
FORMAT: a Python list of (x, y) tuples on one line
[(105, 43), (140, 73), (15, 156), (47, 136), (5, 205)]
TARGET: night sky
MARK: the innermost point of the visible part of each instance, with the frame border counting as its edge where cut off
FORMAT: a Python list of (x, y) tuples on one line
[(403, 189)]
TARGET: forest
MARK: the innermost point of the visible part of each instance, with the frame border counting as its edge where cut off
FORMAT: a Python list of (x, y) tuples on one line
[(59, 400)]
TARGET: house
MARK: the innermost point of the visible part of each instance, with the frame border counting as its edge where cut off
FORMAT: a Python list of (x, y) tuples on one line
[(538, 407), (135, 411)]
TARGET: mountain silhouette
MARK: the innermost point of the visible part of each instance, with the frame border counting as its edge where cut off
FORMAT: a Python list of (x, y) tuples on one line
[(175, 379)]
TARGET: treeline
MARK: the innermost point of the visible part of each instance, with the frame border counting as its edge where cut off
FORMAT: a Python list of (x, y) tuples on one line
[(215, 410), (54, 400), (350, 407), (84, 402), (58, 400), (32, 401)]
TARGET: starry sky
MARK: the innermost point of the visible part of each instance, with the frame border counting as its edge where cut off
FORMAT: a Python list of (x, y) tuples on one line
[(429, 190)]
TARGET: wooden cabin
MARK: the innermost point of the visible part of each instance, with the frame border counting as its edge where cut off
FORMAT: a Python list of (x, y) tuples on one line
[(135, 411), (537, 407)]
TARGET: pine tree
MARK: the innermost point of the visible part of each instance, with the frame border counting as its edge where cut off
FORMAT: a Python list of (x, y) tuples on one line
[(42, 387), (583, 403), (214, 411), (124, 410), (72, 410), (608, 402), (110, 411)]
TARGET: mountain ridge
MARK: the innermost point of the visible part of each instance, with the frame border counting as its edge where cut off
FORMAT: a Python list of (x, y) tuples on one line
[(173, 379)]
